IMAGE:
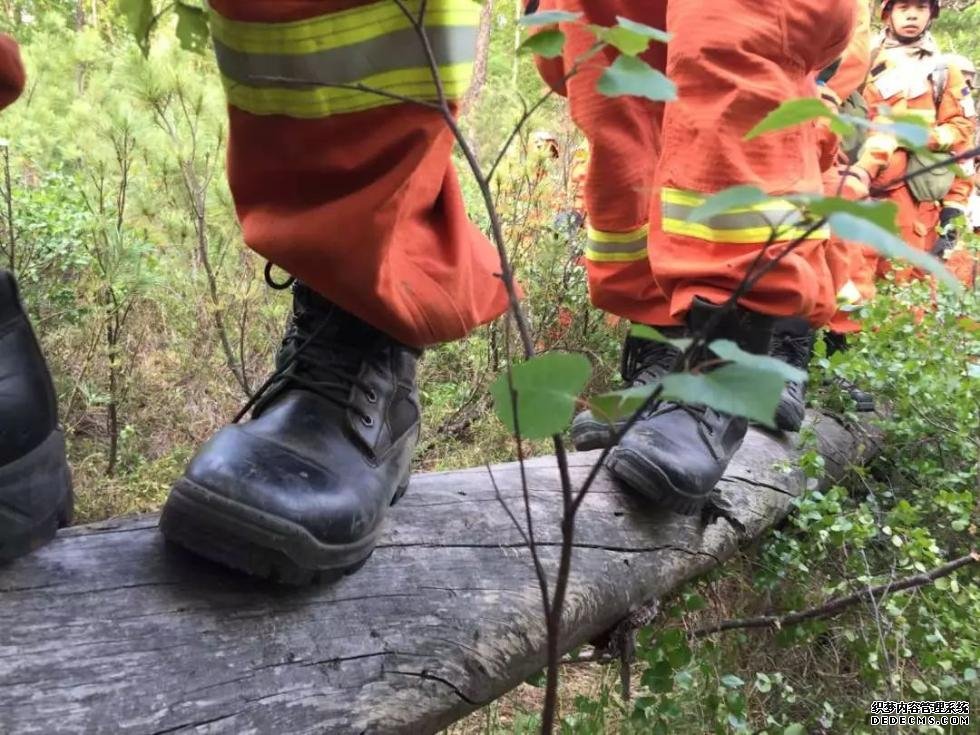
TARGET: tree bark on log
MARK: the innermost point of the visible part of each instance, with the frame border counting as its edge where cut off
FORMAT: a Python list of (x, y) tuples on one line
[(108, 630)]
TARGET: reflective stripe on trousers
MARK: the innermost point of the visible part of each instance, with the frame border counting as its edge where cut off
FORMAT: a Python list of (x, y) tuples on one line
[(346, 61)]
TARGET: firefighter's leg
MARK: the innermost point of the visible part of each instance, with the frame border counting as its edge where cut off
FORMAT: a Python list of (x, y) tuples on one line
[(624, 142), (350, 189), (733, 61)]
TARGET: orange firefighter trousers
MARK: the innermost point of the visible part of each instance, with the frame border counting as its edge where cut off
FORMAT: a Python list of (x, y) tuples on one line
[(732, 61), (357, 197), (355, 193)]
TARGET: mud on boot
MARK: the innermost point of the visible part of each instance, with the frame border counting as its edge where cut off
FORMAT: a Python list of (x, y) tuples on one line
[(300, 491), (35, 484), (643, 362), (675, 456)]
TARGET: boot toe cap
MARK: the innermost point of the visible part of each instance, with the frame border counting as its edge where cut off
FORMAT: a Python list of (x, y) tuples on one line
[(674, 468), (263, 475)]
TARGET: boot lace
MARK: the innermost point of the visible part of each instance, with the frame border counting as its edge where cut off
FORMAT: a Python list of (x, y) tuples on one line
[(792, 349), (646, 361), (328, 370)]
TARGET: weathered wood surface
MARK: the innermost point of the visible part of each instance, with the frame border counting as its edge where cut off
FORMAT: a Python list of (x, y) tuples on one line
[(107, 630)]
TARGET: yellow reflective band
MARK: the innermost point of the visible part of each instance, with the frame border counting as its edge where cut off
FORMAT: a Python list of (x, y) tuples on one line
[(747, 236), (339, 29), (324, 101), (693, 199), (617, 247), (775, 220), (619, 237)]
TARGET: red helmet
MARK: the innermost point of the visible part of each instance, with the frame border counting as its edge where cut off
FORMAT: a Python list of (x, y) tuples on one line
[(886, 8)]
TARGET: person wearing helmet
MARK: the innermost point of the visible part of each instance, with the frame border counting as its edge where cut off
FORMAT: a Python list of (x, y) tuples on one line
[(911, 77), (909, 20)]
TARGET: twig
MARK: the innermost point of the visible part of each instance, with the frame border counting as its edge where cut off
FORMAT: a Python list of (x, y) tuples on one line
[(837, 605)]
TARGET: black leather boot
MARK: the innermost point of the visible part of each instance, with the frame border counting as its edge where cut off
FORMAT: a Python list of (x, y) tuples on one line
[(643, 362), (300, 491), (677, 455), (35, 485), (863, 401), (792, 342)]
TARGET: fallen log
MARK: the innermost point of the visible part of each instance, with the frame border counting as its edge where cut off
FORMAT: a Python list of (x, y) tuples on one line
[(109, 630)]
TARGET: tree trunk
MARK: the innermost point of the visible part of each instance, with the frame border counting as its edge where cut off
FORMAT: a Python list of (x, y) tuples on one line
[(482, 56), (108, 630)]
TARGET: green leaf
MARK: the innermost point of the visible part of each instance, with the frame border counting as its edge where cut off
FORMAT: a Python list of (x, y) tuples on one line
[(731, 681), (680, 655), (909, 129), (537, 680), (625, 41), (884, 214), (970, 675), (547, 43), (723, 201), (548, 17), (736, 389), (192, 27), (629, 76), (547, 387), (856, 229), (695, 602), (659, 677), (763, 683), (642, 29), (621, 403), (728, 350), (642, 331), (789, 114), (795, 729), (919, 686), (139, 17)]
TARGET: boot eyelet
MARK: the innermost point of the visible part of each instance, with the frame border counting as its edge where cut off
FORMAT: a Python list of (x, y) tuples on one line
[(367, 421), (372, 396)]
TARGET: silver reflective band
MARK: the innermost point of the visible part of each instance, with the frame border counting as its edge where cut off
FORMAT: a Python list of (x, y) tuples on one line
[(348, 65)]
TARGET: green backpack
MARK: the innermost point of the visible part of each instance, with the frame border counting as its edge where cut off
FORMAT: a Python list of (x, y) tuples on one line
[(934, 185)]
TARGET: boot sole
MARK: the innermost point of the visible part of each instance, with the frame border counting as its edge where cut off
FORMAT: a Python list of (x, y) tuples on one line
[(255, 542), (36, 498), (653, 484)]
